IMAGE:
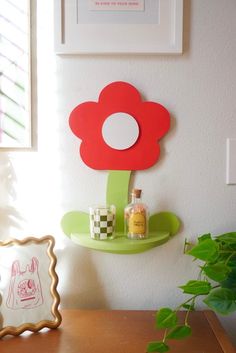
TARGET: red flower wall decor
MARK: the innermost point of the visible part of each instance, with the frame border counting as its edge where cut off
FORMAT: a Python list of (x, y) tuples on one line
[(135, 146), (88, 119)]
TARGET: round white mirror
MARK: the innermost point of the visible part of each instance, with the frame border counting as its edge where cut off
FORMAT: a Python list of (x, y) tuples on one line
[(120, 131)]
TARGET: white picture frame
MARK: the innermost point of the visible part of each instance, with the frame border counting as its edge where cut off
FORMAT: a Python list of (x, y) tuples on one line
[(28, 295), (164, 36)]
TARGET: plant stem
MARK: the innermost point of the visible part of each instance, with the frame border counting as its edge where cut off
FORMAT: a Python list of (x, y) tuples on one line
[(188, 312), (164, 337), (192, 299), (233, 254), (187, 301)]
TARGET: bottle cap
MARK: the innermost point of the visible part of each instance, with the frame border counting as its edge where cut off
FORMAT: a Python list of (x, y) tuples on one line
[(136, 193)]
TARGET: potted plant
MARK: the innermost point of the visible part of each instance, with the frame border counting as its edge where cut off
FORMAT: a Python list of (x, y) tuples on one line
[(215, 285)]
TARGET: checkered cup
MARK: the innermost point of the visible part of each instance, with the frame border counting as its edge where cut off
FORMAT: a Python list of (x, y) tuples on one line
[(102, 222)]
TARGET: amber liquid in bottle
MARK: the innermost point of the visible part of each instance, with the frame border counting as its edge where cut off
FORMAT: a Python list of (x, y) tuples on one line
[(136, 217)]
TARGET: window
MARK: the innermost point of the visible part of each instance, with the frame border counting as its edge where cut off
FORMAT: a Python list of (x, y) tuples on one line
[(15, 54)]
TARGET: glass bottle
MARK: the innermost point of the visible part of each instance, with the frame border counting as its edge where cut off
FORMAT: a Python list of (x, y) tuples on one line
[(136, 217)]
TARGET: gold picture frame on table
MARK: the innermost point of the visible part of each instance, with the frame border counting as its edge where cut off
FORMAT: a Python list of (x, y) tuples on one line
[(28, 286)]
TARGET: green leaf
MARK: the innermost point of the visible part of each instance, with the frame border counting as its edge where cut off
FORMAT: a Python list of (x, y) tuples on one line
[(224, 253), (206, 250), (204, 237), (179, 332), (230, 281), (189, 307), (196, 287), (160, 347), (232, 263), (222, 301), (218, 272), (166, 318), (228, 237)]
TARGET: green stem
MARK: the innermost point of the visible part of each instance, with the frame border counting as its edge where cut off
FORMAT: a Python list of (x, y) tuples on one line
[(192, 298), (186, 302), (188, 312), (117, 194), (227, 251), (233, 254), (164, 336)]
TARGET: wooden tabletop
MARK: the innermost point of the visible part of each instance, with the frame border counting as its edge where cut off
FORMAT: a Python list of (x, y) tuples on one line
[(118, 331)]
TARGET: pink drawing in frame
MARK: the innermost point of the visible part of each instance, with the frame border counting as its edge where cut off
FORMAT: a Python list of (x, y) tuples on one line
[(25, 290)]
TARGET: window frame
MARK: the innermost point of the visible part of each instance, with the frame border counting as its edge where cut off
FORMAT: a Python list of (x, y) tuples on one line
[(28, 142)]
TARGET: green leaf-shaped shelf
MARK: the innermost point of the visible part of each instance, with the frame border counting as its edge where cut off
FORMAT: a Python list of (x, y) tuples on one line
[(162, 225), (121, 245)]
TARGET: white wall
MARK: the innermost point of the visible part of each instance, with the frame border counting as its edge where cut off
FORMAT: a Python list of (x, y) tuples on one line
[(199, 90)]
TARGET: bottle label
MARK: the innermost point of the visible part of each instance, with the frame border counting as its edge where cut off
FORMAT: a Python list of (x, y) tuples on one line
[(137, 224)]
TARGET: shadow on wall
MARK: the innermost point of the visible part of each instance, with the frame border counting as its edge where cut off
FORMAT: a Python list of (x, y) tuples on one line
[(9, 216), (79, 283)]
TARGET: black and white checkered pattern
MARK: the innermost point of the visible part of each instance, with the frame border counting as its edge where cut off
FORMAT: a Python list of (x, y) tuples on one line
[(102, 223)]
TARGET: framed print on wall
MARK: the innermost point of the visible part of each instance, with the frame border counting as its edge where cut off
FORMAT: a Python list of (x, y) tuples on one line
[(96, 26), (28, 296)]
